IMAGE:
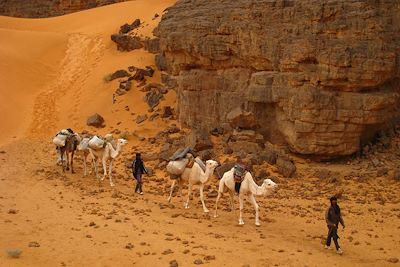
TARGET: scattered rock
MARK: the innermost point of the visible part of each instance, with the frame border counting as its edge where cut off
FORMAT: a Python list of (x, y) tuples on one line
[(382, 171), (119, 74), (14, 253), (129, 27), (129, 246), (33, 244), (166, 112), (396, 175), (209, 258), (166, 252), (141, 118), (12, 211), (199, 140), (285, 167), (126, 42), (198, 262), (227, 150), (393, 260), (242, 119), (153, 98), (125, 85), (95, 120), (212, 194), (173, 263)]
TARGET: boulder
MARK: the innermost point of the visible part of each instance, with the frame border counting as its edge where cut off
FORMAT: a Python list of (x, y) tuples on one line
[(119, 74), (199, 140), (126, 42), (153, 97), (220, 170), (285, 167), (238, 118), (95, 120), (166, 112), (141, 118)]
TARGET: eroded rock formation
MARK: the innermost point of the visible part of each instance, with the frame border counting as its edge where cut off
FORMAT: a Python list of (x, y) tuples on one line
[(48, 8), (321, 76)]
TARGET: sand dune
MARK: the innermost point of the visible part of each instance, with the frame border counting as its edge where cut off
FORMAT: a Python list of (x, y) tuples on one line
[(56, 67)]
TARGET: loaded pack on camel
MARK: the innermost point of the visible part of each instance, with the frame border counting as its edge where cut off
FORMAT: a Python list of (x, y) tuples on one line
[(98, 142), (61, 137), (181, 159), (239, 172)]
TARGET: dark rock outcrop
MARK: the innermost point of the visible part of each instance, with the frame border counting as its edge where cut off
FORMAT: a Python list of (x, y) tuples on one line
[(48, 8), (126, 42), (322, 77)]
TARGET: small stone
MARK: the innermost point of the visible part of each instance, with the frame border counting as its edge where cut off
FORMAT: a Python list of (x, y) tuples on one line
[(393, 260), (92, 224), (166, 252), (12, 211), (14, 253), (33, 244), (141, 118), (173, 263), (198, 262)]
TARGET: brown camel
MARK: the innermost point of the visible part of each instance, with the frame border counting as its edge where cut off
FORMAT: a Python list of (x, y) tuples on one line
[(71, 144)]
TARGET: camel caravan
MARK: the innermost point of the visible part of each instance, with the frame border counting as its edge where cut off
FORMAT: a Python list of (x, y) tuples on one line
[(183, 168)]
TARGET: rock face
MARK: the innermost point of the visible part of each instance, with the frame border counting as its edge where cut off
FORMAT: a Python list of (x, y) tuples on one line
[(320, 76), (48, 8)]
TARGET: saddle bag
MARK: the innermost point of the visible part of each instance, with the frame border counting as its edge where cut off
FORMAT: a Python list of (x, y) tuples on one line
[(96, 143), (177, 167)]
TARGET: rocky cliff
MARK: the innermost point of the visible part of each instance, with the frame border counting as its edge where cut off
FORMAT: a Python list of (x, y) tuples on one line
[(321, 76), (48, 8)]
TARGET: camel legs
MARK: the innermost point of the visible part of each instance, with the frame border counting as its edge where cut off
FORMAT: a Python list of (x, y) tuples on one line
[(202, 198), (254, 202), (72, 162), (188, 197), (109, 173), (104, 168), (84, 164), (220, 191), (241, 199), (172, 189), (216, 204), (231, 200)]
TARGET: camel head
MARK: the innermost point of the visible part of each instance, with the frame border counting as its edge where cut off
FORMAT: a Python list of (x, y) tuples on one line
[(211, 164), (122, 142), (269, 185)]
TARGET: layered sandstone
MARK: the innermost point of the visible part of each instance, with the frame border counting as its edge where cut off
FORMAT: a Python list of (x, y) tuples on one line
[(48, 8), (322, 76)]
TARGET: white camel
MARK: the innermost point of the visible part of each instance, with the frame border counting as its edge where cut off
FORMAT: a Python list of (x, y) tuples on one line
[(83, 148), (198, 176), (248, 188), (108, 153)]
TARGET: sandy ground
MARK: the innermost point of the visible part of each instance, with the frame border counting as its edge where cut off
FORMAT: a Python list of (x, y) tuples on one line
[(51, 76)]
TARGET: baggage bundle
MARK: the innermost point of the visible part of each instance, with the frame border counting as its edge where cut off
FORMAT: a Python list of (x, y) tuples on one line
[(96, 143), (60, 138), (176, 167)]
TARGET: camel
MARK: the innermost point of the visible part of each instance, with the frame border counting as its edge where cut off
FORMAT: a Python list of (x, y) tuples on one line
[(83, 147), (196, 175), (68, 151), (248, 188), (108, 153)]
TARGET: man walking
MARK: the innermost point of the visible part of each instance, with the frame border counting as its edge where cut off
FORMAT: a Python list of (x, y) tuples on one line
[(333, 218), (138, 169)]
